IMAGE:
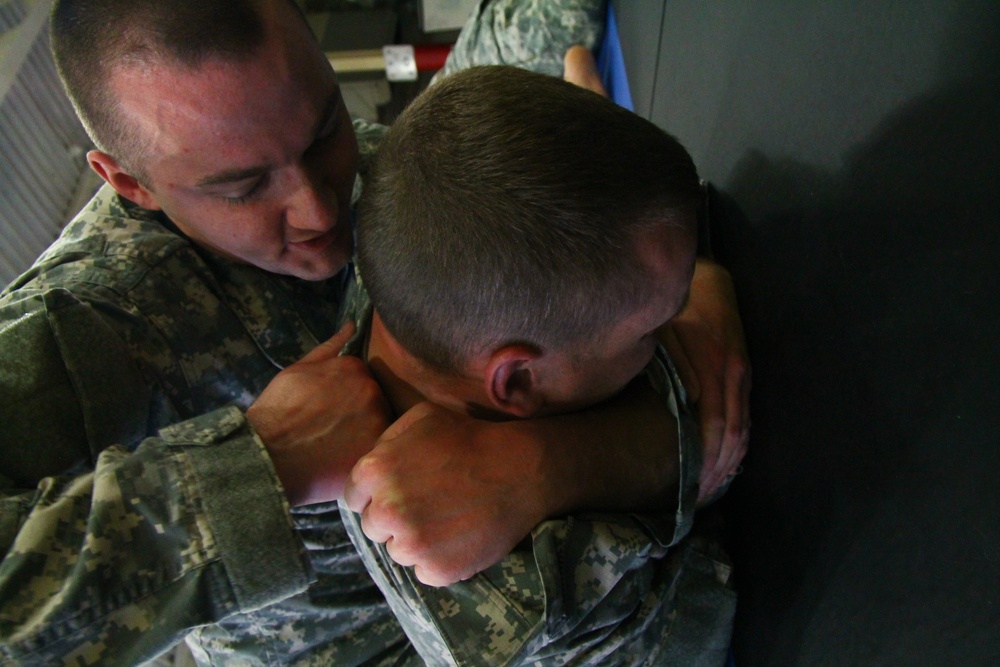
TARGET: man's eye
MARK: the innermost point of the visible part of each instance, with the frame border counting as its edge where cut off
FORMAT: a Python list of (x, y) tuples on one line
[(236, 201), (248, 194)]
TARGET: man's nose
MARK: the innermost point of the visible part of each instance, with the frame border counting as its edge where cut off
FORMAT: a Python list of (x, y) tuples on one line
[(313, 202)]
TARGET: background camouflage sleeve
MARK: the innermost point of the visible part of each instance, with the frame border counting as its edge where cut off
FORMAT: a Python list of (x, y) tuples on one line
[(531, 34), (369, 137)]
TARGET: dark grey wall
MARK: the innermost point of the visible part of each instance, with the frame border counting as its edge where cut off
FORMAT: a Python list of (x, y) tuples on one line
[(859, 144)]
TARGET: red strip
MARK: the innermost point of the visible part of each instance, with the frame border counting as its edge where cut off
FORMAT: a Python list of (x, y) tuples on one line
[(430, 56)]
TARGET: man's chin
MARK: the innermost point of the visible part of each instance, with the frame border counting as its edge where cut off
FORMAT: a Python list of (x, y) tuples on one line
[(320, 265), (315, 271)]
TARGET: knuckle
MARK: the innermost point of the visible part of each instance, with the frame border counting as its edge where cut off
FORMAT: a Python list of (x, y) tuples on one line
[(370, 527), (374, 466), (396, 549), (429, 577), (355, 491), (369, 392), (406, 550), (432, 574), (379, 528), (392, 516), (356, 503)]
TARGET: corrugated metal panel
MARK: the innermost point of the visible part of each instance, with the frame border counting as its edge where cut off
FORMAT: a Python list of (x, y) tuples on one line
[(12, 12), (42, 143)]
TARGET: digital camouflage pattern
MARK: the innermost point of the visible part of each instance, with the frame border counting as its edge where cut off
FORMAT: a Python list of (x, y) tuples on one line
[(136, 503), (597, 589), (532, 34)]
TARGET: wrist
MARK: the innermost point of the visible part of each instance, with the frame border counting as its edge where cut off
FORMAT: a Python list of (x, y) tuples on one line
[(266, 434), (618, 457), (532, 459)]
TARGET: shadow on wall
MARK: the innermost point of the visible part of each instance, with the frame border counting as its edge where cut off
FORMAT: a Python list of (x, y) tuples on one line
[(866, 527)]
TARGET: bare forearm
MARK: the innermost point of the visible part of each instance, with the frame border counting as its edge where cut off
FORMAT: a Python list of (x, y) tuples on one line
[(619, 456)]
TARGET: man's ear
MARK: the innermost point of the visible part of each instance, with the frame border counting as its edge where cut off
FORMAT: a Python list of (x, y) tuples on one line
[(512, 380), (124, 183)]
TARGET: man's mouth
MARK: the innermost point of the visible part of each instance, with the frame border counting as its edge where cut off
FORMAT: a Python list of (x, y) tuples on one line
[(317, 243)]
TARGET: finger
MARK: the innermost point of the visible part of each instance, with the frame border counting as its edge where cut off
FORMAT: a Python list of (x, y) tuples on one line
[(737, 436), (580, 68), (733, 444), (401, 556), (727, 470), (375, 531), (713, 430), (681, 362), (713, 424), (430, 577), (710, 484), (364, 481), (729, 463), (357, 497), (331, 347)]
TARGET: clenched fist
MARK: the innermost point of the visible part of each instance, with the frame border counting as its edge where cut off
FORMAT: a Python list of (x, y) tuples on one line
[(317, 417)]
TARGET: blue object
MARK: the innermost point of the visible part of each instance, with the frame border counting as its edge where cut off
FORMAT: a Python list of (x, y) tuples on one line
[(611, 65)]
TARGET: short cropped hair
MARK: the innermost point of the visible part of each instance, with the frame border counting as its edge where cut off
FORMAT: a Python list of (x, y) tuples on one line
[(90, 38), (504, 207)]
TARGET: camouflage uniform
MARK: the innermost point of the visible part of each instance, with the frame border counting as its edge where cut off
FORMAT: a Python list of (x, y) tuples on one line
[(533, 34), (117, 542), (137, 503)]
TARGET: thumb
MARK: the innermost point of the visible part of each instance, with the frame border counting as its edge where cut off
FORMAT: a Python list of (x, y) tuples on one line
[(331, 347)]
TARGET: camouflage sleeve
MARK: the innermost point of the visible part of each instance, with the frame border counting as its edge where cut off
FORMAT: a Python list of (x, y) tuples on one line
[(109, 555), (531, 34), (369, 137), (577, 591)]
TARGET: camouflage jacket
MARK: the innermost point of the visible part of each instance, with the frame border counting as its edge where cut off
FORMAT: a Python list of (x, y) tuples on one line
[(531, 34), (135, 501)]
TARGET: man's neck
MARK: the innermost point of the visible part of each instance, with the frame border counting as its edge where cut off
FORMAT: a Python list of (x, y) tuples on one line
[(406, 381)]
